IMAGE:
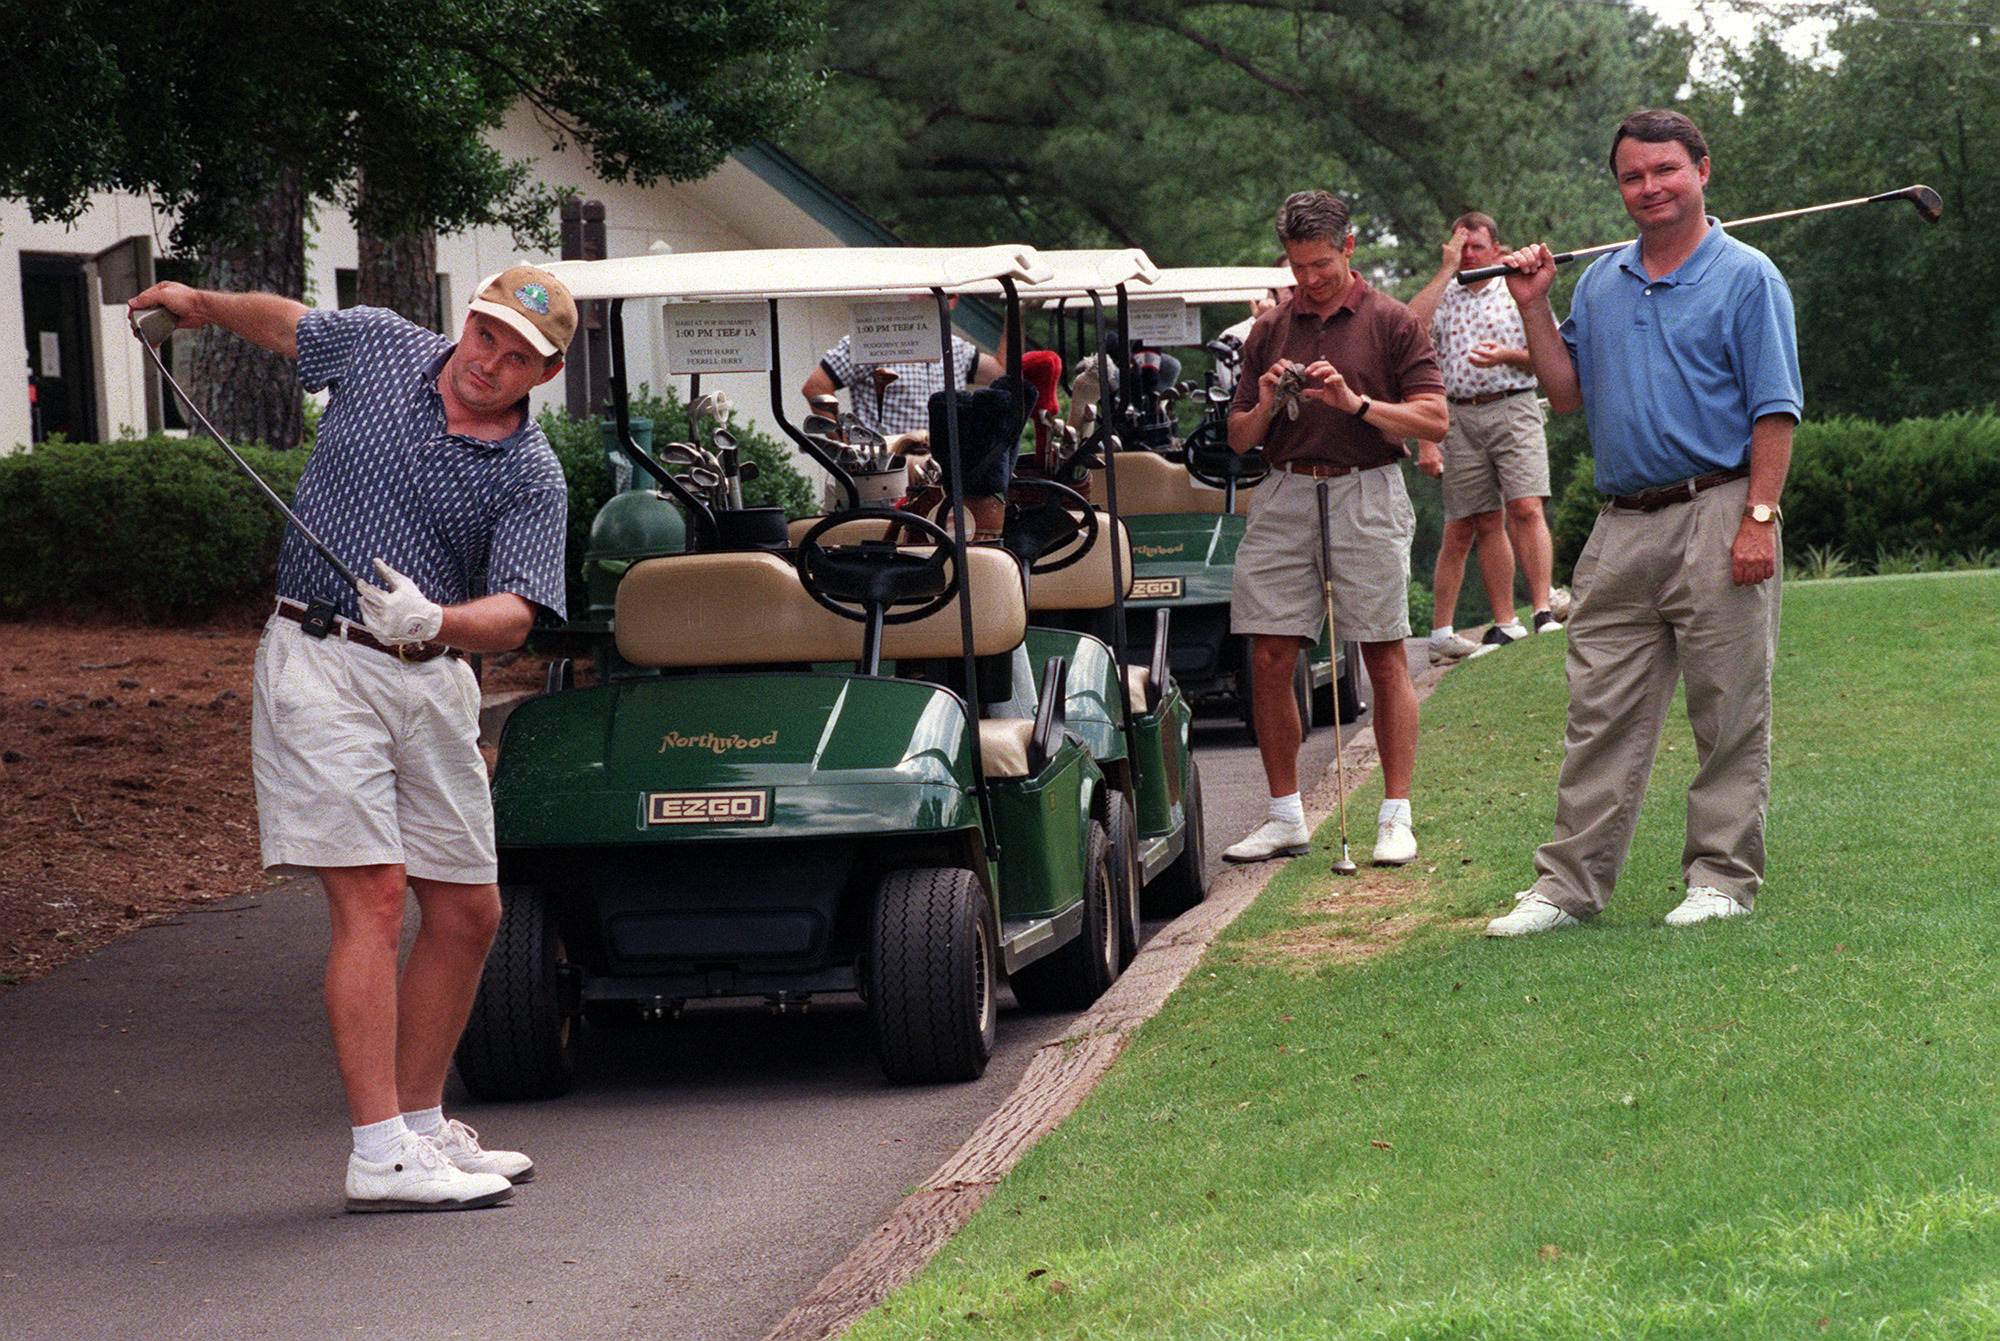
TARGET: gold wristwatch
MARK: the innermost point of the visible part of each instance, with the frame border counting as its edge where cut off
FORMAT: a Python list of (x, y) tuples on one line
[(1762, 513)]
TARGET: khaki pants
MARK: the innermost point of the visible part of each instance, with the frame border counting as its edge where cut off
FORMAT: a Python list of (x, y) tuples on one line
[(1655, 605)]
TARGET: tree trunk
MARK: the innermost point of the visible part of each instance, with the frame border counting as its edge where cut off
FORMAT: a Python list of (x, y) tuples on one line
[(399, 272), (250, 394)]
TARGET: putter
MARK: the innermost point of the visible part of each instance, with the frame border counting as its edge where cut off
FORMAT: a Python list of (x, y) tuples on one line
[(1930, 208), (153, 325), (1345, 866)]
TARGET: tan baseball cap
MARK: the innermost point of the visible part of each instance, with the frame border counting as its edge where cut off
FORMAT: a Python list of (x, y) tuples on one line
[(533, 302)]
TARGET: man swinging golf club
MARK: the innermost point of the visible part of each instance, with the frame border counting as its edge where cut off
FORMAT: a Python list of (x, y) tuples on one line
[(429, 470), (1681, 352)]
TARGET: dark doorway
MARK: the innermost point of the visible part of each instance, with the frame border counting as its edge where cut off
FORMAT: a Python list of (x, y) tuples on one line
[(62, 377)]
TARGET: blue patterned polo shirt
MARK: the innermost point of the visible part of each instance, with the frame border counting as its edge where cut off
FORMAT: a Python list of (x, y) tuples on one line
[(387, 480)]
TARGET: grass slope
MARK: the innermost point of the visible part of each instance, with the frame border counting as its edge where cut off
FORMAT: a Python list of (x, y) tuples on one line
[(1781, 1126)]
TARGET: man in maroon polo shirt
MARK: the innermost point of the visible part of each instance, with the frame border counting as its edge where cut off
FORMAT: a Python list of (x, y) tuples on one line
[(1359, 377)]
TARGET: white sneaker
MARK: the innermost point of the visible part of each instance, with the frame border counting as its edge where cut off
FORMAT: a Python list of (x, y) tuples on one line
[(420, 1178), (1451, 647), (1272, 838), (1394, 843), (460, 1144), (1531, 913), (1704, 905), (1560, 603)]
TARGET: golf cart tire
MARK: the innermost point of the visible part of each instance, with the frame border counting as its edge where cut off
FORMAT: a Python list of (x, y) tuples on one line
[(1302, 695), (1121, 826), (933, 976), (521, 1039), (1340, 701), (1074, 976), (1347, 689), (1180, 887)]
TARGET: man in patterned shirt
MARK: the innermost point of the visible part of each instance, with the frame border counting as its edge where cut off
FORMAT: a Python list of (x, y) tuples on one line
[(903, 405), (1494, 462), (365, 725)]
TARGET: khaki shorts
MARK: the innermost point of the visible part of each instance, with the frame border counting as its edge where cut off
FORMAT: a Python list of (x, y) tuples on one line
[(1493, 454), (1277, 582), (362, 760)]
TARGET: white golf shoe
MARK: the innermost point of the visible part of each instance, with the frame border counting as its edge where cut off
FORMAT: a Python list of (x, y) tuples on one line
[(1395, 844), (1532, 913), (419, 1177), (1703, 904), (460, 1144), (1449, 647), (1272, 838)]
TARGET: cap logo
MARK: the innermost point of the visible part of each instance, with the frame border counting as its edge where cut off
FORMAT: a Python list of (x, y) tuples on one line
[(533, 297)]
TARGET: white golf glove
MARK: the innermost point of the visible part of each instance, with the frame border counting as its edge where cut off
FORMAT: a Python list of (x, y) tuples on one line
[(402, 614)]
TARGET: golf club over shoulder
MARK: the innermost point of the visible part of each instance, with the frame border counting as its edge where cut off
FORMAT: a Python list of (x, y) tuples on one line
[(153, 325), (1929, 207)]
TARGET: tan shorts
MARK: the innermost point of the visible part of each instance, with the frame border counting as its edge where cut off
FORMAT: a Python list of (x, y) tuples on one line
[(1277, 587), (1493, 454), (362, 759)]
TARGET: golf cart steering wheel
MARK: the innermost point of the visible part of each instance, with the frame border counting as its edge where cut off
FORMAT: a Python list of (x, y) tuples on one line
[(851, 580), (1210, 460), (1050, 535)]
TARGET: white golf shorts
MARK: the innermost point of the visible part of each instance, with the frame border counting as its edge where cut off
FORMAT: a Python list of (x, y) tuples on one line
[(362, 759)]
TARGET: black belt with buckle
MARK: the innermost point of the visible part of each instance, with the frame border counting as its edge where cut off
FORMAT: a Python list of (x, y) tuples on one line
[(354, 633), (1489, 397), (1652, 500)]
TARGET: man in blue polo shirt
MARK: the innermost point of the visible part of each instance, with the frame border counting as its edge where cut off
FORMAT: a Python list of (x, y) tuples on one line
[(365, 724), (1680, 350)]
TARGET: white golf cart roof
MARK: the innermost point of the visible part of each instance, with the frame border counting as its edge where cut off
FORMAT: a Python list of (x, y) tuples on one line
[(802, 272), (1215, 284)]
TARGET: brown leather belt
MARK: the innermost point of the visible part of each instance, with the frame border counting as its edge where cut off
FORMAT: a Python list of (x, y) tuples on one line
[(1652, 500), (354, 633), (1489, 397), (1322, 470)]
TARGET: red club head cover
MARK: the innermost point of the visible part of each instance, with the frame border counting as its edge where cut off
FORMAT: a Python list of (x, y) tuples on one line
[(1042, 370)]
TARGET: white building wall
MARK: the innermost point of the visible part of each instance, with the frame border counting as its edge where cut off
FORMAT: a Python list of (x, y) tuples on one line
[(732, 209)]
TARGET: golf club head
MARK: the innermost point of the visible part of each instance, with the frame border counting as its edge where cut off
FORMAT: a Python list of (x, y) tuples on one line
[(820, 426), (703, 407), (1344, 866), (153, 325), (722, 440), (1927, 201)]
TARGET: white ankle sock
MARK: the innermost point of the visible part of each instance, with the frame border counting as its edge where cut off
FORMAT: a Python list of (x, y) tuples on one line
[(1441, 632), (1394, 811), (378, 1142), (1291, 809), (425, 1122)]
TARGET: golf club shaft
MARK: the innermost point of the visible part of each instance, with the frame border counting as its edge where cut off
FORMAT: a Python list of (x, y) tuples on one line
[(145, 325), (1333, 656), (1926, 201)]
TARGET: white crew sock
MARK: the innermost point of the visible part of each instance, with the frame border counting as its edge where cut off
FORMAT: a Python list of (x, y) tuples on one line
[(1442, 632), (380, 1142), (425, 1122), (1394, 811), (1291, 809)]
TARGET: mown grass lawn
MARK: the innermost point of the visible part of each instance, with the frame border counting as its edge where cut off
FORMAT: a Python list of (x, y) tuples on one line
[(1360, 1118)]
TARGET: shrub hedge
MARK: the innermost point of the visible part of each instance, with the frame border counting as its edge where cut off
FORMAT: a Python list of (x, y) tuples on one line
[(157, 529), (1861, 490)]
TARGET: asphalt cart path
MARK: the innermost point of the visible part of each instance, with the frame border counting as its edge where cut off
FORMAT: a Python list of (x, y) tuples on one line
[(175, 1141)]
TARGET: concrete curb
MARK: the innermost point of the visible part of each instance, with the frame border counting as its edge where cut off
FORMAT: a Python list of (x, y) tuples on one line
[(1059, 1077)]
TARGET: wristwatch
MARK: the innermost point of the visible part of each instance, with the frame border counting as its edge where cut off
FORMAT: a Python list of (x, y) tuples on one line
[(1762, 513), (1361, 410)]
